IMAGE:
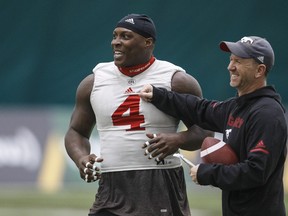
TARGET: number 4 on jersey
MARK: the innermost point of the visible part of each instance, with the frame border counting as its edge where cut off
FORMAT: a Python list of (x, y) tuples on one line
[(128, 114)]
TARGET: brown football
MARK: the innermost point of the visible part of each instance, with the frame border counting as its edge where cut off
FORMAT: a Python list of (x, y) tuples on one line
[(216, 151)]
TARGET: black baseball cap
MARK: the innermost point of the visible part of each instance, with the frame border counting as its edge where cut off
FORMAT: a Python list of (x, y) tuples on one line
[(251, 47), (139, 23)]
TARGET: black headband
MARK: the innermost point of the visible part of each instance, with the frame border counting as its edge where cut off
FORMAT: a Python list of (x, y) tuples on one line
[(139, 23)]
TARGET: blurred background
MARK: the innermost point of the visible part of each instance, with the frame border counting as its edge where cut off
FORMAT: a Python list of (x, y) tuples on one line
[(48, 46)]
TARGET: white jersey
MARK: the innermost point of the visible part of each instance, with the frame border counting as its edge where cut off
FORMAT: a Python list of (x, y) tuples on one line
[(123, 119)]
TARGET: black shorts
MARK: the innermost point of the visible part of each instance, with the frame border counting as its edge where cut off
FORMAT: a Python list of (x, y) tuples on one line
[(159, 192)]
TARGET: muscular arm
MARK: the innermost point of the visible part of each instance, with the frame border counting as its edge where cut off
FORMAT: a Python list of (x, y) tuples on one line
[(81, 124), (193, 137), (168, 143)]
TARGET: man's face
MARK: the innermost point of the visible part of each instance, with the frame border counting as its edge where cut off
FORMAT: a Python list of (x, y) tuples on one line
[(243, 74), (129, 48)]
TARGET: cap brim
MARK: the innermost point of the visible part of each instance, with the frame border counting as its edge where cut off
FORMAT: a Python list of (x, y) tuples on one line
[(235, 48)]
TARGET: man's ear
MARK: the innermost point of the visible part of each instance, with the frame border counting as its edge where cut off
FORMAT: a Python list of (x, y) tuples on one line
[(261, 70), (149, 41)]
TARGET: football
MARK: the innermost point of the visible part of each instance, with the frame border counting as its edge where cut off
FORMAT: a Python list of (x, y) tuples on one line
[(216, 151)]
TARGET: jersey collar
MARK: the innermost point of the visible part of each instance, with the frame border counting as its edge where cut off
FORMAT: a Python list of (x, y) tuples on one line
[(135, 70)]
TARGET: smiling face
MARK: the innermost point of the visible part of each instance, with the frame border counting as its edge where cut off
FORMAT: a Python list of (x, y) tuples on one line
[(246, 75), (129, 48)]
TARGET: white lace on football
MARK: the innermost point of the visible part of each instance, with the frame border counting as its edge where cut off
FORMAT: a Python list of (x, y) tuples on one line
[(211, 149)]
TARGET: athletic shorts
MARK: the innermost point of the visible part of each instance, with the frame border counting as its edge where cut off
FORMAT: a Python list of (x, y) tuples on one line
[(159, 192)]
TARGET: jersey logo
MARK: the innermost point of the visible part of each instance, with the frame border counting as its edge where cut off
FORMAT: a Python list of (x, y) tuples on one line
[(260, 147), (131, 81), (235, 122), (129, 91), (228, 131)]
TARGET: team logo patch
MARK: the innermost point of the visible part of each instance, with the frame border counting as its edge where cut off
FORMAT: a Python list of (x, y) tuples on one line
[(131, 81), (260, 147)]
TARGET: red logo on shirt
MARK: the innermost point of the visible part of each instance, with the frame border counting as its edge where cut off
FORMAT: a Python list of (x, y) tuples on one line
[(260, 147), (235, 122)]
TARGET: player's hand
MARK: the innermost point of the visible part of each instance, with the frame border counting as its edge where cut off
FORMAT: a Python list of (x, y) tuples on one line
[(161, 145), (89, 171), (146, 93), (193, 173)]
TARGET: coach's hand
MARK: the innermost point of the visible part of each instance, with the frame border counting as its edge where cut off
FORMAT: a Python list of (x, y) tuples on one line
[(146, 93), (193, 173), (87, 165)]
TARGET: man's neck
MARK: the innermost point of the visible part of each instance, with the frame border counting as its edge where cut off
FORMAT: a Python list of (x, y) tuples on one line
[(137, 69)]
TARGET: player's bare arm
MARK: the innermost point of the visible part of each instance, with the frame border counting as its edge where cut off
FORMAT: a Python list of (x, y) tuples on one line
[(77, 137), (194, 136), (164, 144)]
